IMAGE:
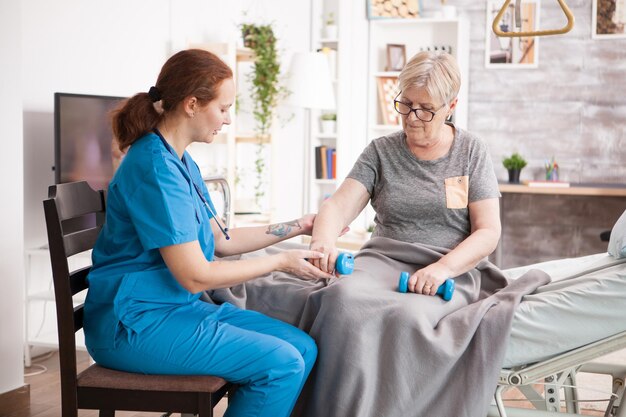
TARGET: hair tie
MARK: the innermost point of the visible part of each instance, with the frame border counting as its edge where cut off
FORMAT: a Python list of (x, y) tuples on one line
[(155, 94)]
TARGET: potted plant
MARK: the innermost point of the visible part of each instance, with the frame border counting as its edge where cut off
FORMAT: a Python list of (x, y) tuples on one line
[(330, 27), (266, 90), (328, 122), (514, 165)]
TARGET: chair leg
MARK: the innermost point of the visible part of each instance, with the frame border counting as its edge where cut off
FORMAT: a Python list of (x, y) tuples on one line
[(107, 413), (205, 406)]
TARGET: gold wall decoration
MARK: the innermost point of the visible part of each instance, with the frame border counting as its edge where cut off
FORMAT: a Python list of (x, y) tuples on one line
[(388, 9)]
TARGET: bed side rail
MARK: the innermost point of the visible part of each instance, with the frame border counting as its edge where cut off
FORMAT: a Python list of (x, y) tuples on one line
[(573, 358)]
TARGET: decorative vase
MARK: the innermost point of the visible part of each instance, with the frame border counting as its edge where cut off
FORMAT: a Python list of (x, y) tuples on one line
[(514, 176), (330, 31), (448, 11), (328, 127)]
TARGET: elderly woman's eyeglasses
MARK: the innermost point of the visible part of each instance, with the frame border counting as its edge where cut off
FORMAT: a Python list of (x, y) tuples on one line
[(422, 114)]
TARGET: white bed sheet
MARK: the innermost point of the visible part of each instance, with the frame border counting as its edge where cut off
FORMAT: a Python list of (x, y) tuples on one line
[(585, 302)]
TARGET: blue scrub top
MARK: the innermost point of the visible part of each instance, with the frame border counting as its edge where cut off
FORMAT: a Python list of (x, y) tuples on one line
[(151, 203)]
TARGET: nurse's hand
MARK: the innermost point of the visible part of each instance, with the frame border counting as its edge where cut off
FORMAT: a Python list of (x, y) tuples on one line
[(306, 222), (325, 263), (295, 262)]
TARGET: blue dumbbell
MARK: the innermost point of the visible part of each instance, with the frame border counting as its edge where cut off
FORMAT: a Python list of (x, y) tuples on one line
[(445, 290), (345, 263)]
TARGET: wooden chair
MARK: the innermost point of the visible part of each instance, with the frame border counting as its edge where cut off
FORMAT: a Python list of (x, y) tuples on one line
[(74, 216)]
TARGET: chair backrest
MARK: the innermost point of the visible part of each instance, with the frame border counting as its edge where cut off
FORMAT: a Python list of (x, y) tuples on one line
[(74, 216)]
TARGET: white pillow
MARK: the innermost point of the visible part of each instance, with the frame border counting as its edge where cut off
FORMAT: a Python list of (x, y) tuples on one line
[(617, 243)]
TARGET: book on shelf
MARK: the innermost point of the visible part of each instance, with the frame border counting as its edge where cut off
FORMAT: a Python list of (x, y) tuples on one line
[(318, 162), (330, 167), (546, 184), (325, 163)]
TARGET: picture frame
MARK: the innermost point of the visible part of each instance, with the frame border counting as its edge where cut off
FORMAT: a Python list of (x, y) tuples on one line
[(396, 57), (511, 53), (388, 88), (606, 23)]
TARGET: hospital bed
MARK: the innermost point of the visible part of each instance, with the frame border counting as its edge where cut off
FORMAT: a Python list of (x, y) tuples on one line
[(561, 331)]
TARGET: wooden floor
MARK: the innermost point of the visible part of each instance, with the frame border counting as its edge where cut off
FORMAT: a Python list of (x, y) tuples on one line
[(45, 397), (45, 393)]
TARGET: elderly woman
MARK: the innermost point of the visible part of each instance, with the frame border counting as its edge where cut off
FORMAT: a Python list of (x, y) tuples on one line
[(431, 183), (382, 352)]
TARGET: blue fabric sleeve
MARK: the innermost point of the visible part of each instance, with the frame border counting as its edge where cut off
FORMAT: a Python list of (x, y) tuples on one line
[(163, 209)]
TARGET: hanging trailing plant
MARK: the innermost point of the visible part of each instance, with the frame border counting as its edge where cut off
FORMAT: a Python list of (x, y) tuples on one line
[(266, 89)]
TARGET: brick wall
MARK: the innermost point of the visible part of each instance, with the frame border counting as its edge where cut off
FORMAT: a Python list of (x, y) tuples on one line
[(572, 107)]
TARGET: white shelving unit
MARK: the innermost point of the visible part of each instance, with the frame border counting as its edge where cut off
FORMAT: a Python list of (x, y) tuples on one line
[(40, 327), (342, 69), (318, 188)]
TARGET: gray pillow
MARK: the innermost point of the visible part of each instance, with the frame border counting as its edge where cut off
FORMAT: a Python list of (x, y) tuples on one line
[(617, 243)]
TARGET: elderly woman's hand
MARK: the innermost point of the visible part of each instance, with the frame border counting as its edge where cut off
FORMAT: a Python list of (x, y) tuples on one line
[(427, 280)]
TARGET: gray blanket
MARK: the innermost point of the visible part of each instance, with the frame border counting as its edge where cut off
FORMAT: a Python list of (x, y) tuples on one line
[(386, 354)]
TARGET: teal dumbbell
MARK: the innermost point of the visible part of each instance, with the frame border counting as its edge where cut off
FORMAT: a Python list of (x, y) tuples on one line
[(445, 290), (345, 263)]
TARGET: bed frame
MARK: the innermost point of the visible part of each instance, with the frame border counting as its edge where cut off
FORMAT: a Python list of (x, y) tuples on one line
[(559, 373)]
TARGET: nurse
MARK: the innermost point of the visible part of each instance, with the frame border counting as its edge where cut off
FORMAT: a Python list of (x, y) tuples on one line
[(154, 256)]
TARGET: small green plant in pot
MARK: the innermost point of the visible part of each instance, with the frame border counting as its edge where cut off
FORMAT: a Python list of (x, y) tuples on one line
[(514, 165), (266, 90)]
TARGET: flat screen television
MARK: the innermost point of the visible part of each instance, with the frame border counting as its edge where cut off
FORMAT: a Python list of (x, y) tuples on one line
[(83, 138)]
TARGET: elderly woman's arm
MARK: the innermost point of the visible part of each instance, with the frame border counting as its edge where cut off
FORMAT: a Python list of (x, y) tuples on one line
[(485, 233), (336, 213)]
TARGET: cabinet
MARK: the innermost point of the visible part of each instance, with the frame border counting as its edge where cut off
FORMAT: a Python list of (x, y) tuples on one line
[(545, 223), (40, 327)]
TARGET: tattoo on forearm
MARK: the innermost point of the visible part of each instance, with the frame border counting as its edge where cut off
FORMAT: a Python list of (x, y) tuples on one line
[(282, 229)]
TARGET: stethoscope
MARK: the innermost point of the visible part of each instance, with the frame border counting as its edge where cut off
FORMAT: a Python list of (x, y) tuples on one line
[(224, 229)]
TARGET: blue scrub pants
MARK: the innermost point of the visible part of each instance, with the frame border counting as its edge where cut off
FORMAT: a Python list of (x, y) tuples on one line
[(270, 359)]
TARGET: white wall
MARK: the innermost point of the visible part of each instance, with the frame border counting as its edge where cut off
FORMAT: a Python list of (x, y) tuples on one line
[(11, 216), (117, 48)]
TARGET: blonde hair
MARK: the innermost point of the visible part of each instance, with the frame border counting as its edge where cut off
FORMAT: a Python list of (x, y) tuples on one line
[(437, 72)]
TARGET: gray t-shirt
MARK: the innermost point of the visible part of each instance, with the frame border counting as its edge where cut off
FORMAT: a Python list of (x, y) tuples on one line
[(425, 201)]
